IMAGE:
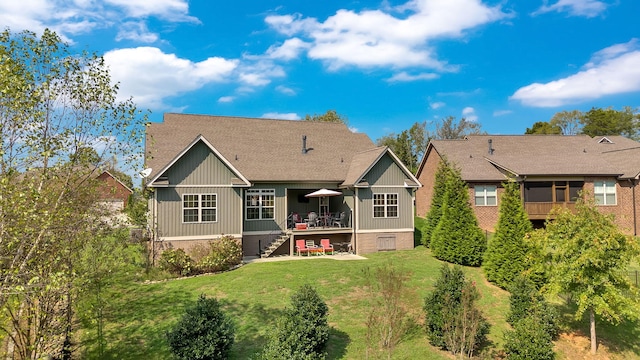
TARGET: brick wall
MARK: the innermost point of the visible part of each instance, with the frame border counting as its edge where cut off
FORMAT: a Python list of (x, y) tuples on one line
[(424, 194), (368, 242)]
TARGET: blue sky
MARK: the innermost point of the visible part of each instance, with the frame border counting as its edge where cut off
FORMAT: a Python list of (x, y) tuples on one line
[(382, 64)]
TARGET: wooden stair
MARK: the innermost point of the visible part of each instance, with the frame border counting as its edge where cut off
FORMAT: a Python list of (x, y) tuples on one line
[(274, 245)]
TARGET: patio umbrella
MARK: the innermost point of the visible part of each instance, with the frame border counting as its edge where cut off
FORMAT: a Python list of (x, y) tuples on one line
[(322, 193)]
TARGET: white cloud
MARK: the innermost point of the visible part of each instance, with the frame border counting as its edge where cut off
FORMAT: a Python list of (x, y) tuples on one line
[(226, 99), (404, 76), (436, 105), (613, 70), (173, 10), (375, 38), (586, 8), (502, 112), (290, 49), (469, 113), (150, 76), (281, 116), (136, 31), (259, 73), (285, 90)]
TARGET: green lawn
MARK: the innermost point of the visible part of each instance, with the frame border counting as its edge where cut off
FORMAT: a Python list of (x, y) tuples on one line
[(255, 294)]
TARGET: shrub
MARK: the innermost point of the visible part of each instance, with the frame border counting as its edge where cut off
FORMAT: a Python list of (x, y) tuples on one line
[(203, 332), (452, 320), (527, 301), (223, 255), (528, 340), (302, 331), (177, 262)]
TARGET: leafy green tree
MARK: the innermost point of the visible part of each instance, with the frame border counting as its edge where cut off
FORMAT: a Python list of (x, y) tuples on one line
[(203, 333), (443, 172), (506, 253), (54, 106), (452, 320), (449, 128), (526, 300), (569, 122), (590, 257), (302, 331), (543, 127), (330, 116), (602, 122), (457, 238), (528, 340)]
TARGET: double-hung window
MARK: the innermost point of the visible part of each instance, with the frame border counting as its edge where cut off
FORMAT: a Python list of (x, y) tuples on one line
[(260, 204), (486, 195), (605, 192), (199, 208), (385, 205)]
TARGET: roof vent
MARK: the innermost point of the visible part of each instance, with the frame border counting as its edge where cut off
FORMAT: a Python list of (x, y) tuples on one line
[(490, 146), (304, 144), (605, 140)]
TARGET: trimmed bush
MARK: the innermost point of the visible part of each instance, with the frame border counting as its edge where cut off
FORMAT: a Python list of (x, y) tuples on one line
[(177, 262), (302, 331), (223, 254), (506, 253), (452, 320), (528, 340), (203, 332), (527, 301)]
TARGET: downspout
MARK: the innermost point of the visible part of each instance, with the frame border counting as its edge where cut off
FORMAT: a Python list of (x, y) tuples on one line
[(356, 222), (154, 225), (633, 196)]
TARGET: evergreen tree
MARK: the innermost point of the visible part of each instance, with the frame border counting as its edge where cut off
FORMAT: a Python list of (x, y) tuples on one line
[(506, 253), (458, 239), (435, 210)]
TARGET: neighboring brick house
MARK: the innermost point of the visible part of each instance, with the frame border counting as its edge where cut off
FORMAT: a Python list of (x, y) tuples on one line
[(551, 170), (113, 191), (215, 176)]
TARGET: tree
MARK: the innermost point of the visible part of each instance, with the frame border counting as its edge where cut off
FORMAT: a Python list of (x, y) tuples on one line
[(435, 210), (506, 253), (330, 116), (603, 122), (409, 145), (302, 331), (449, 128), (543, 127), (203, 333), (589, 259), (457, 238), (528, 340), (569, 122), (54, 106)]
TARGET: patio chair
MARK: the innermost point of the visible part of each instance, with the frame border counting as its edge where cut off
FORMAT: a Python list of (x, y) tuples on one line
[(301, 247), (339, 221), (312, 219), (312, 247), (326, 246)]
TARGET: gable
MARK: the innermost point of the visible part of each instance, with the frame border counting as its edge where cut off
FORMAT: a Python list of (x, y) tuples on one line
[(385, 173), (199, 166)]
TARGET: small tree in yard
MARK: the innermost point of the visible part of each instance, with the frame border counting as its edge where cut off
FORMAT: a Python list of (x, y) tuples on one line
[(435, 210), (302, 332), (526, 300), (204, 332), (452, 320), (458, 239), (590, 257), (506, 253), (528, 340)]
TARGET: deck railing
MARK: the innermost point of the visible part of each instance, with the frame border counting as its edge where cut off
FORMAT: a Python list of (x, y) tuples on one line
[(540, 210)]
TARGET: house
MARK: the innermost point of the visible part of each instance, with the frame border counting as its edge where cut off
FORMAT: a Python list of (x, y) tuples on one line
[(112, 192), (215, 176), (551, 169)]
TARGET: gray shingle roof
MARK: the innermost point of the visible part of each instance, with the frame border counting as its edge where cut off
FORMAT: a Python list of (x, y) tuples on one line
[(540, 155), (260, 149)]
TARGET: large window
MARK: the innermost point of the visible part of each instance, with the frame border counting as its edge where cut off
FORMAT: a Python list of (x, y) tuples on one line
[(552, 191), (260, 204), (199, 208), (486, 195), (605, 192), (385, 205)]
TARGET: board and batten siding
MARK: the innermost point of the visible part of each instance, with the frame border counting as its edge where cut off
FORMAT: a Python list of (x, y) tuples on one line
[(229, 210), (198, 167), (365, 209), (386, 173)]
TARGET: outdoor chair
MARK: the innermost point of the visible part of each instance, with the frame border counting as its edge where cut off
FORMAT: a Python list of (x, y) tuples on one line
[(295, 219), (326, 246), (301, 247), (312, 219), (340, 219), (312, 247)]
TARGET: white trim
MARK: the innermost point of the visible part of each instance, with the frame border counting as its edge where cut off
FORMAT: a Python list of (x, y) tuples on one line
[(384, 231), (186, 149), (605, 193), (118, 180), (485, 195), (197, 237), (395, 159), (259, 191), (199, 208), (203, 186), (262, 232), (386, 205), (387, 186)]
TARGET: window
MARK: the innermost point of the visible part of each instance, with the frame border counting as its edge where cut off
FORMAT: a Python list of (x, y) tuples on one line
[(260, 204), (605, 192), (385, 205), (199, 208), (486, 195)]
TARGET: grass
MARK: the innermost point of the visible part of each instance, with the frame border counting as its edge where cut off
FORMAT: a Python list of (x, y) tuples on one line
[(255, 295)]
